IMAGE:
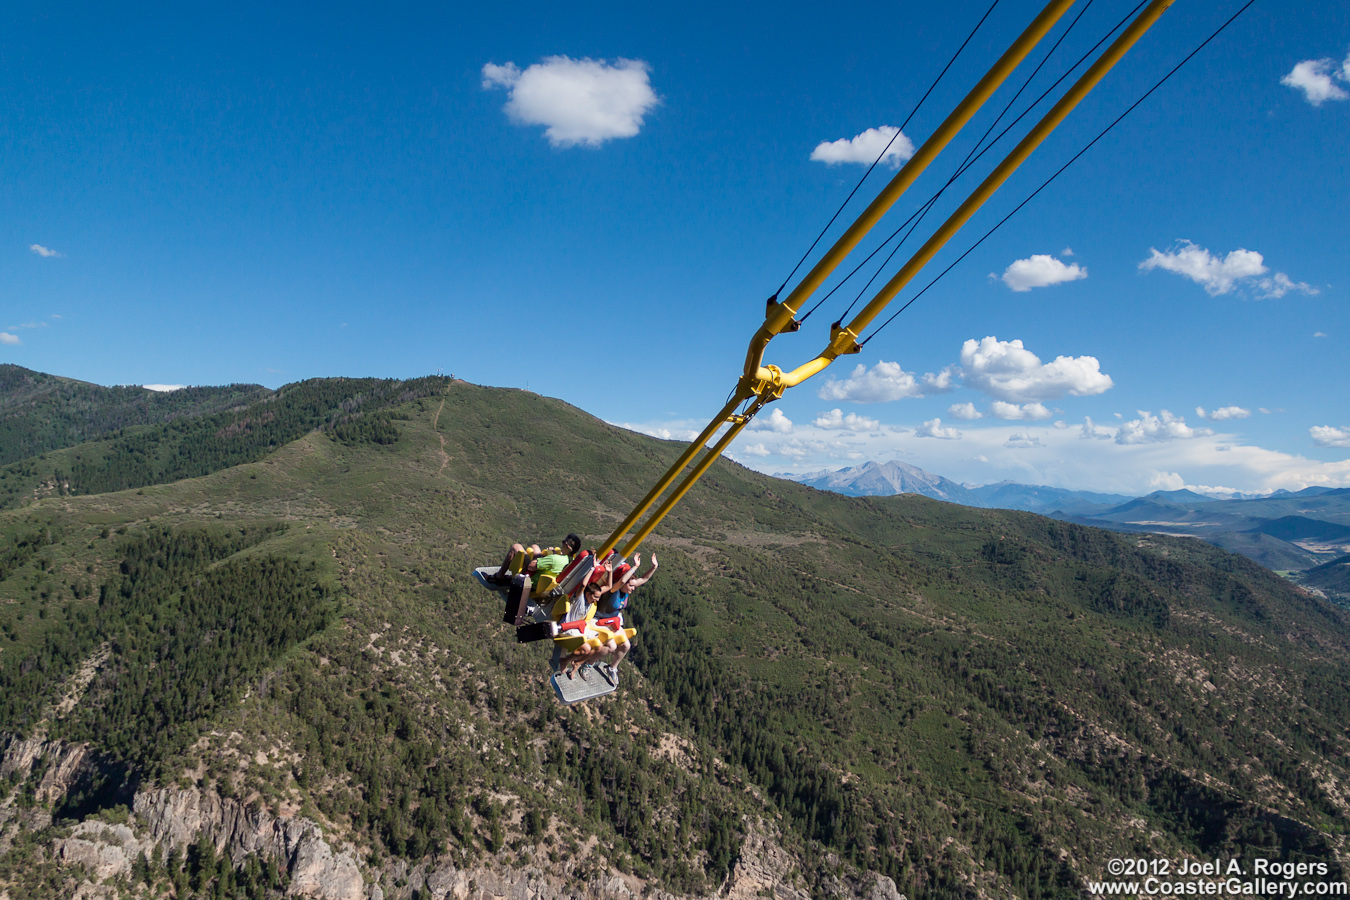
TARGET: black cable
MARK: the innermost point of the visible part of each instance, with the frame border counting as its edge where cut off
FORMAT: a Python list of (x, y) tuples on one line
[(918, 218), (1058, 81), (843, 281), (898, 132), (973, 156), (1059, 171)]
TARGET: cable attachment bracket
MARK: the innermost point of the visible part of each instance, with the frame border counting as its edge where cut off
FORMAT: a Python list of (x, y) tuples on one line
[(843, 341), (778, 317)]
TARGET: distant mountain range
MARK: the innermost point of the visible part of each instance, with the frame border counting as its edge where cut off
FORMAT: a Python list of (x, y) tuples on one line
[(873, 479), (1293, 531), (1284, 531)]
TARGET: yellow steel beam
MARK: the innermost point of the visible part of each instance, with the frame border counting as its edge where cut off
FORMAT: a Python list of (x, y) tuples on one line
[(671, 474), (779, 315), (694, 475), (844, 339), (767, 383), (1142, 23)]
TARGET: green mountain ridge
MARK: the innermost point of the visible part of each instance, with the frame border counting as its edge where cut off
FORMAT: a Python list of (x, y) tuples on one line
[(1332, 577), (1283, 531), (971, 702), (200, 436), (40, 413)]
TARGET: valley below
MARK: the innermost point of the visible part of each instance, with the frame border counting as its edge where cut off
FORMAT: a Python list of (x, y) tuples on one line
[(241, 656)]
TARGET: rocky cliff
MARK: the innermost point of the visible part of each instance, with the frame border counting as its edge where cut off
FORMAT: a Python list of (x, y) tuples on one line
[(100, 855)]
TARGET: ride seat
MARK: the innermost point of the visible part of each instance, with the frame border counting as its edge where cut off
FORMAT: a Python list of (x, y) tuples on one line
[(541, 585)]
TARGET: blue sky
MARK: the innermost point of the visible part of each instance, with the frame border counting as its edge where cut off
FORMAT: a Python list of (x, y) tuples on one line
[(594, 202)]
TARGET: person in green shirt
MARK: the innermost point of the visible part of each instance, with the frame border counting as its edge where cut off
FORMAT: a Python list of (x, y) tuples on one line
[(535, 565), (550, 561)]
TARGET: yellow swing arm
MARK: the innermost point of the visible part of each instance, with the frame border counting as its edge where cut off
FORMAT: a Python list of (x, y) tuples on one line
[(760, 384)]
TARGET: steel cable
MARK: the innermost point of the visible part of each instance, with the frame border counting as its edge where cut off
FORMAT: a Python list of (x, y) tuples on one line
[(886, 149), (1059, 171), (974, 156)]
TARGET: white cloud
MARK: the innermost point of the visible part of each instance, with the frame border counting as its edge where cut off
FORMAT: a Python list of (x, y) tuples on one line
[(1227, 412), (1095, 432), (776, 422), (1000, 409), (43, 251), (666, 431), (1006, 370), (933, 429), (866, 147), (500, 76), (1220, 274), (1216, 274), (1318, 334), (1063, 457), (7, 338), (1314, 78), (1166, 481), (884, 382), (1040, 270), (1281, 284), (163, 388), (942, 383), (1330, 436), (835, 420), (1022, 441), (1067, 251), (580, 101), (1149, 428), (964, 411)]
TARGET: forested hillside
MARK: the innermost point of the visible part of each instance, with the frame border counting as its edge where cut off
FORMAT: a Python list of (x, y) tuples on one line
[(40, 413), (973, 703), (199, 439), (1332, 577)]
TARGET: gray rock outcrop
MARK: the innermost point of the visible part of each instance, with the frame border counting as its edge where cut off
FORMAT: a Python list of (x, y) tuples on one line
[(764, 868), (176, 818), (65, 764), (104, 850), (166, 819)]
